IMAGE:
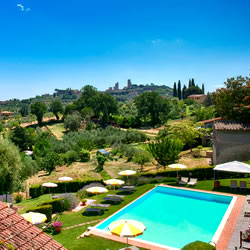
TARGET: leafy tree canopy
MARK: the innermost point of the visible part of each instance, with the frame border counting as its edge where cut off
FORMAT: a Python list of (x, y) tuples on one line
[(72, 122), (56, 107), (233, 101), (166, 151), (39, 109)]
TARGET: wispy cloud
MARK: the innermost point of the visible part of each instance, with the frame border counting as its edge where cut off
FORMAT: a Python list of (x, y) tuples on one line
[(21, 6)]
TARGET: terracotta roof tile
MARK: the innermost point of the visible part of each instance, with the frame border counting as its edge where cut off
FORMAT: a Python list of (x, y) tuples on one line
[(231, 125), (22, 234)]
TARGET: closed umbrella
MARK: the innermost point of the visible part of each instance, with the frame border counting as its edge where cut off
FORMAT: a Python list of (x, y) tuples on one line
[(97, 190), (127, 228), (177, 166), (114, 182), (49, 185), (34, 218), (127, 173), (65, 178)]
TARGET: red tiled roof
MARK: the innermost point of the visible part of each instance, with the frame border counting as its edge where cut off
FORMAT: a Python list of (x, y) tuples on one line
[(211, 120), (230, 125), (6, 112), (22, 234), (196, 95)]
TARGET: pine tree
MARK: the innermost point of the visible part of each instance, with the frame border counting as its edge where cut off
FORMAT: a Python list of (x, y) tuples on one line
[(193, 82), (183, 92), (189, 83), (203, 88), (179, 90), (174, 91)]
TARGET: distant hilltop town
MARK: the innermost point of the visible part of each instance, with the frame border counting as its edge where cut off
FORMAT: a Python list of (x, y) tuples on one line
[(116, 87)]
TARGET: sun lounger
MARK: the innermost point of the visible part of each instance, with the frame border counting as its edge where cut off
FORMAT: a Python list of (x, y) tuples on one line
[(94, 211), (183, 181), (192, 181), (116, 196), (130, 187), (244, 242), (233, 184), (243, 186), (129, 190), (100, 205), (112, 199)]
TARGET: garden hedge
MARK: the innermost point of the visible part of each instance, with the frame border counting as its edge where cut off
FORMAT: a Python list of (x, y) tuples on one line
[(72, 186), (57, 205), (46, 209), (198, 245)]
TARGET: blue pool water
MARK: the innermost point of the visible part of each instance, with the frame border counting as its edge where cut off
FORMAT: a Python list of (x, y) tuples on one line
[(175, 217)]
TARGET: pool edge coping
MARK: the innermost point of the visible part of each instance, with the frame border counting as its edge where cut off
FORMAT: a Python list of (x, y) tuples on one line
[(223, 237)]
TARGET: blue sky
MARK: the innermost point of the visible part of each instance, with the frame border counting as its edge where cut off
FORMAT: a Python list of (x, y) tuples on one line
[(48, 44)]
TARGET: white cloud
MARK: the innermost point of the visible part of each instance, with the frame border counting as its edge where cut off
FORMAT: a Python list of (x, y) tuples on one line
[(21, 6), (27, 9)]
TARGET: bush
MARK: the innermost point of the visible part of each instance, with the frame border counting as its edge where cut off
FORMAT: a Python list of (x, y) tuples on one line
[(57, 205), (71, 156), (18, 197), (197, 245), (46, 209), (81, 194), (70, 201), (36, 191), (84, 155)]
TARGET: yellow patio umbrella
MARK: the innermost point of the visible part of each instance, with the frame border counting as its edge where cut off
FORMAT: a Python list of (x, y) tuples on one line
[(177, 166), (127, 228), (127, 173), (34, 218), (97, 190), (114, 182)]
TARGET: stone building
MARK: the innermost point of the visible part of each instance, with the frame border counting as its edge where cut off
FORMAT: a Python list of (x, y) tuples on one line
[(198, 98), (231, 141)]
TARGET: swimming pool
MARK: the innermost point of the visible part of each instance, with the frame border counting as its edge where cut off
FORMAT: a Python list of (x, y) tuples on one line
[(175, 217)]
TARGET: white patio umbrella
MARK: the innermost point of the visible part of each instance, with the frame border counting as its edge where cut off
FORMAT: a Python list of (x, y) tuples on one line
[(49, 185), (127, 173), (177, 166), (34, 218), (127, 228), (114, 182), (97, 190), (65, 178)]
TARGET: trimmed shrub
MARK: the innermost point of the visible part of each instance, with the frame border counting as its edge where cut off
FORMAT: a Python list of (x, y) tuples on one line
[(46, 209), (18, 198), (57, 205), (198, 245), (36, 190), (70, 201)]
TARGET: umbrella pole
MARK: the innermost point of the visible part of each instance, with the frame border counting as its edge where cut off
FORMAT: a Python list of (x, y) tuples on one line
[(65, 186)]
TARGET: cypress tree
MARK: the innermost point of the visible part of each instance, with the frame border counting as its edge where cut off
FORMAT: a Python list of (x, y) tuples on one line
[(183, 92), (193, 82), (203, 88), (189, 83), (174, 91), (179, 90)]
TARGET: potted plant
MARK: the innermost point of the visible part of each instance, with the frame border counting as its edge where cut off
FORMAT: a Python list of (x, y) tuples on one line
[(57, 226), (83, 202)]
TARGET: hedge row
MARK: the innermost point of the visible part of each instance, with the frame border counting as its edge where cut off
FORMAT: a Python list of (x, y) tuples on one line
[(57, 205), (46, 209), (72, 186), (202, 173)]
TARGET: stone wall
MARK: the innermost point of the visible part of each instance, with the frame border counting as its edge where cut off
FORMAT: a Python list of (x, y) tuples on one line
[(229, 145)]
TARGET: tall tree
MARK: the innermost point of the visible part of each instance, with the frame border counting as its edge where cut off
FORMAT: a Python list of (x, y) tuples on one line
[(233, 101), (38, 109), (56, 107), (189, 83), (141, 157), (203, 88), (10, 164), (179, 90), (174, 90), (151, 105), (166, 151), (24, 110), (193, 84), (183, 92)]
